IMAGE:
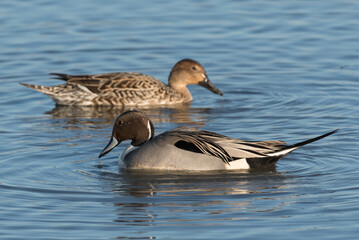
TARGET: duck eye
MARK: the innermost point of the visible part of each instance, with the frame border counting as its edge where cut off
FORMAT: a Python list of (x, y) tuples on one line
[(120, 123), (194, 68)]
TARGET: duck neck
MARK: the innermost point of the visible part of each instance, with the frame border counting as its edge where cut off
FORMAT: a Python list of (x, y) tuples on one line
[(181, 88), (127, 151)]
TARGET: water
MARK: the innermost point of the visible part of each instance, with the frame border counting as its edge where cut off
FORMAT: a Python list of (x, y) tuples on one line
[(288, 70)]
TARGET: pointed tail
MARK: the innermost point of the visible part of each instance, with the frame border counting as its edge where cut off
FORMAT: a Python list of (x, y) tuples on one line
[(61, 76), (43, 89), (295, 146), (312, 140)]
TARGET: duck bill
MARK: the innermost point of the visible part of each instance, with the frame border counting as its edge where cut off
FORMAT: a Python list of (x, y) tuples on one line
[(111, 145), (209, 85)]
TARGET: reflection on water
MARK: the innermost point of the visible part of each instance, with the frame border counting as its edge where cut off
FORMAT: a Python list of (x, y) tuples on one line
[(77, 117), (149, 183), (165, 198)]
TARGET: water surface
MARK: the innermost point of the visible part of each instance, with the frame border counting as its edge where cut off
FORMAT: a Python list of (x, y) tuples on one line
[(288, 71)]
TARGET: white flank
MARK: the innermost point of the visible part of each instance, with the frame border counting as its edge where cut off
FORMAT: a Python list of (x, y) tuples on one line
[(238, 164)]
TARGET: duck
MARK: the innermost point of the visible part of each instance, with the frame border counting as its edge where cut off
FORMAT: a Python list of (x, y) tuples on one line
[(128, 88), (191, 149)]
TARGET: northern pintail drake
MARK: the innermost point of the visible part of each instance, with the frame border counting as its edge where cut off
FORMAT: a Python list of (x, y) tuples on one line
[(128, 88), (188, 149)]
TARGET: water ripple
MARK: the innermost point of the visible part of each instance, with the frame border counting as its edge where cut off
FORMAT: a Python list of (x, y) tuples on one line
[(288, 71)]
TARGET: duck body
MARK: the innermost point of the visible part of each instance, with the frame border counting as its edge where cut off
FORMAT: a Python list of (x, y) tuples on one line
[(128, 88), (168, 157), (192, 150)]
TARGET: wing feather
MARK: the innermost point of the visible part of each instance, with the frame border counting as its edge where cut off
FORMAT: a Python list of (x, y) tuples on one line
[(110, 81), (203, 144), (226, 148)]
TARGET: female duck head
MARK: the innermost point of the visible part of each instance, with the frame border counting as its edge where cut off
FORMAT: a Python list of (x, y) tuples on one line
[(188, 71), (130, 125)]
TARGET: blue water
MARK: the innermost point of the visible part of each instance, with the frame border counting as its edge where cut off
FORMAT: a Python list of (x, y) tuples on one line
[(289, 71)]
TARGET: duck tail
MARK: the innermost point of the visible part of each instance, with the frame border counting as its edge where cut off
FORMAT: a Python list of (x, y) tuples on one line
[(61, 76), (295, 146), (43, 89)]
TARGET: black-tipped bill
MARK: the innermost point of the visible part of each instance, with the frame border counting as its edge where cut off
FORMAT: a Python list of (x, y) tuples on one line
[(111, 145), (209, 85)]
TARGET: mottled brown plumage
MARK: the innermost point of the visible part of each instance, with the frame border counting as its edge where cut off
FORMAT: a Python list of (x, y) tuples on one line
[(128, 88)]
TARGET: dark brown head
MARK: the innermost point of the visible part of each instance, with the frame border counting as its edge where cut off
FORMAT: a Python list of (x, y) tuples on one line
[(188, 71), (130, 125)]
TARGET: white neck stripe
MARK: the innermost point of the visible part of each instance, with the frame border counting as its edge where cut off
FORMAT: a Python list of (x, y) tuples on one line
[(149, 130)]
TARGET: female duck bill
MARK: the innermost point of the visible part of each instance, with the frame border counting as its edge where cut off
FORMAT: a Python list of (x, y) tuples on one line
[(206, 83)]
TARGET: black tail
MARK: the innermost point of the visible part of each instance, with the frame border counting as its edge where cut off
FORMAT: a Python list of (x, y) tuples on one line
[(312, 140), (61, 76), (266, 162)]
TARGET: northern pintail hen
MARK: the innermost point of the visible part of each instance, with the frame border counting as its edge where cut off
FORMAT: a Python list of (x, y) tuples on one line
[(128, 88), (188, 149)]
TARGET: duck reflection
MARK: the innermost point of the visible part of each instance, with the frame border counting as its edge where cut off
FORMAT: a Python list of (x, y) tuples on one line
[(146, 198), (142, 183), (100, 117)]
